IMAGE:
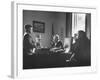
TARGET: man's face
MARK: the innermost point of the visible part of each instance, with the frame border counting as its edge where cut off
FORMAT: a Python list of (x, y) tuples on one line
[(31, 29), (76, 36)]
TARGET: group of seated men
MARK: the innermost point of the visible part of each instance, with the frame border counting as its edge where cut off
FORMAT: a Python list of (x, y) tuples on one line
[(81, 47)]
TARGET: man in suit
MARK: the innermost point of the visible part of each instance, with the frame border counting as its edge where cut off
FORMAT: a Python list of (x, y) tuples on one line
[(81, 48), (28, 43), (57, 44), (28, 47)]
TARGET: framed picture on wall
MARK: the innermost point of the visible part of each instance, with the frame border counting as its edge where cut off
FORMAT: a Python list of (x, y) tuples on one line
[(55, 54), (38, 26)]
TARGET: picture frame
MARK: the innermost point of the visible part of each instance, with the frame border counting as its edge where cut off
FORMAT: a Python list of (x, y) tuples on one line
[(17, 41), (38, 26)]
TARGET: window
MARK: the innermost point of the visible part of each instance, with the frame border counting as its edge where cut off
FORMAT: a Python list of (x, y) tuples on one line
[(78, 22)]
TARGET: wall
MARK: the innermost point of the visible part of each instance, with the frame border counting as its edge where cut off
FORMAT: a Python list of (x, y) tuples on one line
[(47, 18), (60, 25), (5, 40), (58, 20), (68, 24)]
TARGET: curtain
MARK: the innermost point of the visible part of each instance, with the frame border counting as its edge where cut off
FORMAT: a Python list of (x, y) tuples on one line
[(78, 22), (88, 25)]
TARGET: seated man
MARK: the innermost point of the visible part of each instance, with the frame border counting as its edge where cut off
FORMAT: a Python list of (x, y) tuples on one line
[(81, 48), (28, 43), (57, 44)]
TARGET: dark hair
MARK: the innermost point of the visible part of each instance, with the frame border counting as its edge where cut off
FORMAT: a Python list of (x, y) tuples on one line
[(27, 27), (81, 34)]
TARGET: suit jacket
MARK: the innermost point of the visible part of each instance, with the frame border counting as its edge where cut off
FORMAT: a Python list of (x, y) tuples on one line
[(58, 44), (28, 44), (82, 50)]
